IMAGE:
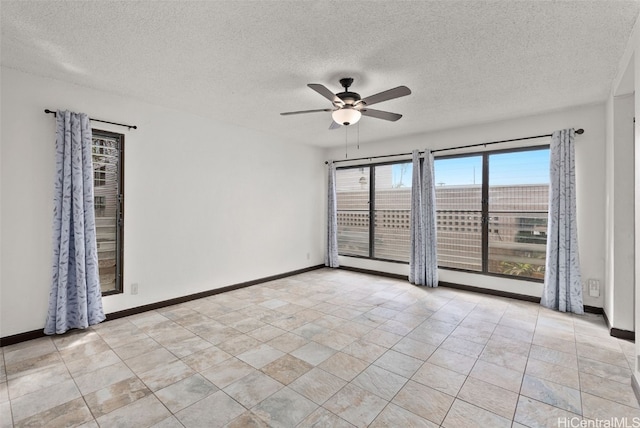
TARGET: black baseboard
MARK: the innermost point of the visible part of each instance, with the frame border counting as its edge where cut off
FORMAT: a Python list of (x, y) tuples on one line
[(35, 334), (595, 310), (635, 387), (373, 272), (498, 293), (617, 332)]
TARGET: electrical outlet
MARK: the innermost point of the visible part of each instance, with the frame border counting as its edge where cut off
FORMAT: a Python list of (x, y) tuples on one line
[(594, 287), (134, 288)]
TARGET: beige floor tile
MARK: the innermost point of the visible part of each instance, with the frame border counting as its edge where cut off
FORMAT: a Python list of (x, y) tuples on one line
[(564, 359), (533, 413), (227, 372), (398, 363), (313, 353), (380, 382), (185, 392), (6, 421), (103, 377), (424, 401), (463, 414), (440, 378), (165, 375), (247, 420), (150, 360), (287, 342), (286, 369), (452, 361), (552, 393), (489, 397), (396, 416), (285, 408), (554, 373), (414, 348), (497, 375), (343, 365), (609, 389), (604, 370), (604, 355), (71, 413), (462, 346), (322, 418), (187, 346), (260, 356), (43, 399), (508, 344), (364, 350), (252, 389), (382, 338), (594, 407), (238, 344), (504, 359), (29, 365), (317, 385), (370, 331), (22, 385), (214, 411), (205, 358), (139, 347), (355, 405), (117, 395)]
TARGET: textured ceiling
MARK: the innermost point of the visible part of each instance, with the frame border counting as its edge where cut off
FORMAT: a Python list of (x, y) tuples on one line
[(245, 62)]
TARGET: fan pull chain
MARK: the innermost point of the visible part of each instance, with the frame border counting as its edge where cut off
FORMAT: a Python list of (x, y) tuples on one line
[(358, 135), (345, 142)]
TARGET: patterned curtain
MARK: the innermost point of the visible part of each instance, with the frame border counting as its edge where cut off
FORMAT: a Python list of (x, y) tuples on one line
[(562, 282), (75, 300), (423, 261), (331, 256)]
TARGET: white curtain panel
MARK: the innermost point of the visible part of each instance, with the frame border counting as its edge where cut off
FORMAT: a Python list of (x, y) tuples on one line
[(75, 299), (331, 255), (423, 260), (562, 289)]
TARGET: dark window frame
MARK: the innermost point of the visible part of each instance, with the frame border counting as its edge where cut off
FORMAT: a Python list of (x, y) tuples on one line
[(484, 211), (120, 138), (371, 211)]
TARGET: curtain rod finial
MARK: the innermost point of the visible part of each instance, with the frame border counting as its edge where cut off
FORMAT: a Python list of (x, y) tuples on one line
[(580, 131)]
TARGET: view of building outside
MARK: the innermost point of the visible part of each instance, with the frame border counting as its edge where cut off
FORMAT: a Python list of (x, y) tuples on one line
[(105, 154), (517, 221)]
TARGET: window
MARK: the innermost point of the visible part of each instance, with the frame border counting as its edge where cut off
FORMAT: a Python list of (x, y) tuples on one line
[(107, 157), (374, 211), (491, 217), (505, 195)]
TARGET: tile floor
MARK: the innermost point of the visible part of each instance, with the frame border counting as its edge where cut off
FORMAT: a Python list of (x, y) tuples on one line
[(328, 348)]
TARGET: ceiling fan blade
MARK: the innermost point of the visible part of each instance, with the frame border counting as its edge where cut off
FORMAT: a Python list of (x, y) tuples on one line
[(379, 114), (334, 125), (325, 92), (305, 111), (390, 94)]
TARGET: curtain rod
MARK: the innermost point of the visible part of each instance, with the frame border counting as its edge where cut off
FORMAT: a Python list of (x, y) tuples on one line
[(578, 131), (96, 120)]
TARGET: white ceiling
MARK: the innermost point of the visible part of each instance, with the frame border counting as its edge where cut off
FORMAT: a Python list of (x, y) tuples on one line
[(245, 62)]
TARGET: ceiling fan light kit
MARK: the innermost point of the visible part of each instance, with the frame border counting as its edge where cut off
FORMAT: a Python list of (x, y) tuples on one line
[(346, 116), (349, 107)]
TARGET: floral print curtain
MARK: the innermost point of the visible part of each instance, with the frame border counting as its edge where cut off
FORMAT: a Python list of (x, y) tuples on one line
[(562, 289), (75, 299)]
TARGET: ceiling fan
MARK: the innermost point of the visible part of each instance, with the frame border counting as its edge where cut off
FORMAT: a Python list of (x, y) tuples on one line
[(348, 106)]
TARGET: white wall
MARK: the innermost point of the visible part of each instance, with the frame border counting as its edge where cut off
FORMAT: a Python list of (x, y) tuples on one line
[(206, 204), (620, 259), (590, 165)]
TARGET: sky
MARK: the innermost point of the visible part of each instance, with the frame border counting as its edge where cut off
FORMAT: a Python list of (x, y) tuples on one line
[(528, 167)]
